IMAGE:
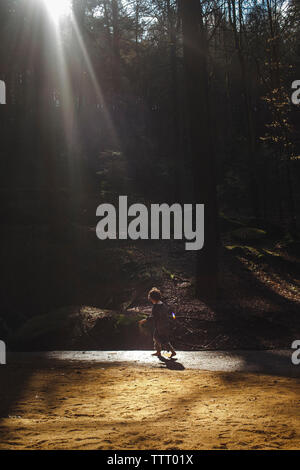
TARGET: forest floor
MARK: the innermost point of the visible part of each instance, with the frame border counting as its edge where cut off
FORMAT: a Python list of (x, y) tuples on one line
[(56, 266), (123, 406), (126, 406), (259, 279), (259, 302)]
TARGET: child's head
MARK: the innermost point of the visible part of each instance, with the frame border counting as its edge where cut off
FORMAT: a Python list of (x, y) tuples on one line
[(154, 295)]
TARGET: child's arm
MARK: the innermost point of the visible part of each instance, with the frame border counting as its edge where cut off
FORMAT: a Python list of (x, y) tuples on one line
[(149, 319)]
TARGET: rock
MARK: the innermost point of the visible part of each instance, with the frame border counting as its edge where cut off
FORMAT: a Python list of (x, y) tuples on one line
[(80, 328)]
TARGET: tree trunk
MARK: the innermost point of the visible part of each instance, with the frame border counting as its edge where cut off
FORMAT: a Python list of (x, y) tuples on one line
[(174, 128), (116, 47), (195, 49), (252, 166)]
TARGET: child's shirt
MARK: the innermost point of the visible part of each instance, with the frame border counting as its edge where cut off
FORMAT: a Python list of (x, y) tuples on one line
[(160, 318)]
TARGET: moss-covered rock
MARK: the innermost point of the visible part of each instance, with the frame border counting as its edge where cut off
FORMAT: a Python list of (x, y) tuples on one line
[(80, 328)]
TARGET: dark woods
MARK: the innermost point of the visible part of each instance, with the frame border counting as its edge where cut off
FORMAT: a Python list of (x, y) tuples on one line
[(163, 100)]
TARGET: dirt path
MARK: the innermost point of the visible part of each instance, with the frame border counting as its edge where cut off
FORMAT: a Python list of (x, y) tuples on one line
[(90, 405), (268, 362)]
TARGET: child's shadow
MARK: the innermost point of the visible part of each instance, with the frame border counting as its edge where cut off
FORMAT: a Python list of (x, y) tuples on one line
[(171, 363)]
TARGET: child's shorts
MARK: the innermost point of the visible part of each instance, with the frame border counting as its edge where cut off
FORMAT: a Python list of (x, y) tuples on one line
[(161, 341)]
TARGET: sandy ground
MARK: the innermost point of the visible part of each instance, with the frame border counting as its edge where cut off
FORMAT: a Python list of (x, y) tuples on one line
[(97, 406)]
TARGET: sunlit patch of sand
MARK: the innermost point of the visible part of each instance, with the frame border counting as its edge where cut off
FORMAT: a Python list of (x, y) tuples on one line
[(126, 407)]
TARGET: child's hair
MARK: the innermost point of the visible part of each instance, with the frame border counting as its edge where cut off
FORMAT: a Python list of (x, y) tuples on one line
[(154, 294)]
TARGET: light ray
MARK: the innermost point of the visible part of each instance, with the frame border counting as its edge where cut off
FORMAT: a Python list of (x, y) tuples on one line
[(58, 9), (93, 77)]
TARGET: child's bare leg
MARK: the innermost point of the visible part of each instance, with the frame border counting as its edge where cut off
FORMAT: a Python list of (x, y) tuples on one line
[(173, 352), (158, 349)]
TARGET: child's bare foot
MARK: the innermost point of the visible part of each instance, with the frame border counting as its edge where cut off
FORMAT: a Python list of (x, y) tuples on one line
[(157, 353)]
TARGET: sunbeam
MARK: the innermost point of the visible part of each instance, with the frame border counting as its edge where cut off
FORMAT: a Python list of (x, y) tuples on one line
[(58, 8), (92, 75)]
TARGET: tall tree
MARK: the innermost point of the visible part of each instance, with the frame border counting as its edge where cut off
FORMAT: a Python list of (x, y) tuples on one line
[(236, 19), (195, 48)]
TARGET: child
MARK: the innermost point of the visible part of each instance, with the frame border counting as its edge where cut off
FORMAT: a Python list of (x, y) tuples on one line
[(161, 335)]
